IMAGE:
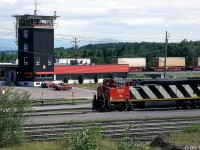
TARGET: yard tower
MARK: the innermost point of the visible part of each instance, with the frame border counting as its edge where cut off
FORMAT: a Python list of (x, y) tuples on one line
[(35, 39)]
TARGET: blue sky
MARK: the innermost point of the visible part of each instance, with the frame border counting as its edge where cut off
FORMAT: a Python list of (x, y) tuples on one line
[(98, 21)]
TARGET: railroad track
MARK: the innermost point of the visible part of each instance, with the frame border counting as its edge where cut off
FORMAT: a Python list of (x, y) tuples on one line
[(145, 129)]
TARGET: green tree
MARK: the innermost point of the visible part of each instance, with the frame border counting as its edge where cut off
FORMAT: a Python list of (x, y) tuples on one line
[(96, 78), (13, 105), (65, 80), (111, 75), (80, 79)]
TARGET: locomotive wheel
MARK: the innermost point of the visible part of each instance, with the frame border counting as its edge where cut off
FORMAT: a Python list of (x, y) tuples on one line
[(112, 107), (122, 107), (140, 105), (184, 105), (178, 104)]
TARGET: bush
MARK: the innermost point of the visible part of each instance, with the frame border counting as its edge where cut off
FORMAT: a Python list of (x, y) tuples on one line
[(128, 143), (65, 80), (85, 139), (96, 78), (13, 106), (111, 76), (80, 79)]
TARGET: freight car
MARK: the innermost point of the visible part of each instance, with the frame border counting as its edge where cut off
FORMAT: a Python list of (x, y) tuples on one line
[(126, 94), (172, 64)]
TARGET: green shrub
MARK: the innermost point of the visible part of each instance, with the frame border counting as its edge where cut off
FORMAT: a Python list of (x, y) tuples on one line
[(96, 78), (13, 106), (86, 139), (12, 84), (80, 79)]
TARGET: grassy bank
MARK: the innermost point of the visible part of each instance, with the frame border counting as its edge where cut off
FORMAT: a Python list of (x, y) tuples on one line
[(188, 137)]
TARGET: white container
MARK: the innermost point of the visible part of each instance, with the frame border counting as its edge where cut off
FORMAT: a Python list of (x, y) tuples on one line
[(84, 61), (132, 62)]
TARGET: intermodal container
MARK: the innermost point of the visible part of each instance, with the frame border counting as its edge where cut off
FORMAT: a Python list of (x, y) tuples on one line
[(132, 62), (170, 61)]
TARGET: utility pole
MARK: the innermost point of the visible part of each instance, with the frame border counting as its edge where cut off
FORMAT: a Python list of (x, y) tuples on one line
[(165, 64), (75, 41), (35, 11)]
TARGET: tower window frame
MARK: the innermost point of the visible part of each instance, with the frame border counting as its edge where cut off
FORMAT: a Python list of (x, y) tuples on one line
[(25, 32), (37, 60), (49, 60), (25, 60), (26, 47)]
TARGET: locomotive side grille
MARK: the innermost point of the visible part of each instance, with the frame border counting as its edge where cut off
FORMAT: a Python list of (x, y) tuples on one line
[(171, 93), (156, 91), (183, 90), (195, 89), (176, 91), (142, 93), (147, 90)]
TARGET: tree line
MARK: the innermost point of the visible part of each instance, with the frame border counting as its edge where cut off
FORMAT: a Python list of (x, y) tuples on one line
[(104, 52)]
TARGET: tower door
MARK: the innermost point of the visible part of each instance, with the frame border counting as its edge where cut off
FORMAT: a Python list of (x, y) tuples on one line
[(12, 77)]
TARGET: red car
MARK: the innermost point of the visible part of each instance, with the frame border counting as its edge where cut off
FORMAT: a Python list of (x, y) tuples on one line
[(62, 86), (47, 84)]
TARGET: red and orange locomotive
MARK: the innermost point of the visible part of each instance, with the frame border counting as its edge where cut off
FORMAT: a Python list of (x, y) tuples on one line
[(126, 94)]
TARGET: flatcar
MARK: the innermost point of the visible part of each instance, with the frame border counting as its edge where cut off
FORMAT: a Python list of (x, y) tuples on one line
[(127, 94)]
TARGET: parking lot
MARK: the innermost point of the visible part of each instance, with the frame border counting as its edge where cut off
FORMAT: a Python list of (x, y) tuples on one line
[(51, 93)]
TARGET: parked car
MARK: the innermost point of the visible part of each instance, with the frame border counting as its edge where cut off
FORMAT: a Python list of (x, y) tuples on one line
[(62, 86), (47, 84)]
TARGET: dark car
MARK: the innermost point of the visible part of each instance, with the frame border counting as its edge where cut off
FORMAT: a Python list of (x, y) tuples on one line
[(47, 84), (62, 86)]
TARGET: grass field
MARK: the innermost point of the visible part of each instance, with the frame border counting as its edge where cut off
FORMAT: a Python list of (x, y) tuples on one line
[(92, 86)]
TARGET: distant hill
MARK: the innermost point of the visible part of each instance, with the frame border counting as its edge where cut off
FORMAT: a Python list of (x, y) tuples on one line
[(9, 51), (7, 44)]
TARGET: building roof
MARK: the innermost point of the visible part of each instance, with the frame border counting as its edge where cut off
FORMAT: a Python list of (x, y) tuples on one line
[(77, 69), (66, 69)]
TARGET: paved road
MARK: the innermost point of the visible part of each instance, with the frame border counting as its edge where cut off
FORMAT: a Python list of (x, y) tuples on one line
[(137, 114), (50, 93)]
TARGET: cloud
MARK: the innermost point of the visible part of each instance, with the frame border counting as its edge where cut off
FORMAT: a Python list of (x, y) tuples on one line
[(7, 2), (189, 20), (144, 21), (124, 19)]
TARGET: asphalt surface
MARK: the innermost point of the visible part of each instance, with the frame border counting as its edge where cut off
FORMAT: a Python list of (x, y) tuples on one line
[(136, 114), (51, 93)]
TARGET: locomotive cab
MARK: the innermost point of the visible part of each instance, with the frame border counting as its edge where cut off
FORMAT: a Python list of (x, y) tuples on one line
[(113, 94)]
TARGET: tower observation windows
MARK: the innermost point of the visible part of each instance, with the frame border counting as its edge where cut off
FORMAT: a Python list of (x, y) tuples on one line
[(35, 22)]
